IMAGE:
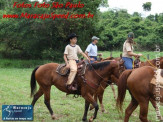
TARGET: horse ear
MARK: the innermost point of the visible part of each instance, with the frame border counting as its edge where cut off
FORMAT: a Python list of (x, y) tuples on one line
[(111, 58)]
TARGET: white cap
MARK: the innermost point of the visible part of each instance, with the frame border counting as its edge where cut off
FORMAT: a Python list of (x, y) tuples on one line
[(95, 38)]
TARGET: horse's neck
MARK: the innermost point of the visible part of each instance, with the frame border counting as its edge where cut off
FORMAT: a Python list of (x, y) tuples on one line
[(142, 63), (105, 72)]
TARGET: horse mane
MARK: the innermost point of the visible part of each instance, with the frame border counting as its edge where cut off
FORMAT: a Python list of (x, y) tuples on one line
[(98, 66)]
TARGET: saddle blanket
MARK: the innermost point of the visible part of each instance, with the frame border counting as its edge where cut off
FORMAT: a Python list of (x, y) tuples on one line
[(158, 78)]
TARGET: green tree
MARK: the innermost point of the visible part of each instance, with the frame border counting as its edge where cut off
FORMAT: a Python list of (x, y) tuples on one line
[(147, 6)]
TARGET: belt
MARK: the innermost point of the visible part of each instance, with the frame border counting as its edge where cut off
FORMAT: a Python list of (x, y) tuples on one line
[(93, 56)]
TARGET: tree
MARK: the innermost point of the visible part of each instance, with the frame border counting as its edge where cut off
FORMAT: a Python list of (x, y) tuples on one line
[(147, 6), (45, 39)]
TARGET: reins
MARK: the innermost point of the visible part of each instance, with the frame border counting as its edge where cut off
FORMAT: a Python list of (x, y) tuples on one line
[(100, 75), (149, 62), (133, 65)]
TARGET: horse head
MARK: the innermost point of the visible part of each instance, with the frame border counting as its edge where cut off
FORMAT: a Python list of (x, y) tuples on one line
[(137, 62)]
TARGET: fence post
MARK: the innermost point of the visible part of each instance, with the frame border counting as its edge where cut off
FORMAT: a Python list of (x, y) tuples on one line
[(148, 56), (110, 54)]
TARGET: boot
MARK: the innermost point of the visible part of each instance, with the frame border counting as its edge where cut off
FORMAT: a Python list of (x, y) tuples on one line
[(71, 88)]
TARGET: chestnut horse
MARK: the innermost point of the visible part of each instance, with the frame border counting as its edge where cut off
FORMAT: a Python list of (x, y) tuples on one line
[(154, 63), (137, 81), (100, 91), (138, 63), (95, 74)]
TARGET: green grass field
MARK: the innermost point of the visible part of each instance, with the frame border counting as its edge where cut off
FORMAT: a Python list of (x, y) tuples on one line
[(15, 89)]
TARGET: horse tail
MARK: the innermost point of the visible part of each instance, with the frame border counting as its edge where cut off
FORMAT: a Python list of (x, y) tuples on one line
[(33, 81), (122, 86)]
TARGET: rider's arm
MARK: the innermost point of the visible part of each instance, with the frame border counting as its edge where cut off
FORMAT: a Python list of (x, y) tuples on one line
[(133, 54), (86, 53), (65, 58), (83, 54), (88, 50)]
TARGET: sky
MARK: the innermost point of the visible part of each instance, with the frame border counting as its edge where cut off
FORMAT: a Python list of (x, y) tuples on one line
[(136, 6)]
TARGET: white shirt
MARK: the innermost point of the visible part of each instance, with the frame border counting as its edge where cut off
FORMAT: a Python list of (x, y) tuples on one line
[(92, 50)]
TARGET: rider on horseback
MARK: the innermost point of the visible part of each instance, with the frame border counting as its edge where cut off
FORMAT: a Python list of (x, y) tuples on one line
[(71, 59), (92, 49), (128, 51)]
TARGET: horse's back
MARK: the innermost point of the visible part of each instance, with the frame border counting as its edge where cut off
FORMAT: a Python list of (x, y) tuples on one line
[(45, 72), (140, 78)]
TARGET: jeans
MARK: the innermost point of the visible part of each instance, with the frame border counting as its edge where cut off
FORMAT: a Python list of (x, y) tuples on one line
[(93, 59), (128, 62)]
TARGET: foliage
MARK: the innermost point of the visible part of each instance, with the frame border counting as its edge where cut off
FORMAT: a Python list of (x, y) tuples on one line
[(114, 25), (147, 6), (45, 39)]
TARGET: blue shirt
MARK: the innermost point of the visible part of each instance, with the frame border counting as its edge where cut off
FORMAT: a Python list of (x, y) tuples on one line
[(92, 50)]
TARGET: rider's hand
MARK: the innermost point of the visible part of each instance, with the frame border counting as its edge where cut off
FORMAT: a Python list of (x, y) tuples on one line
[(139, 54), (100, 54), (88, 59), (67, 66)]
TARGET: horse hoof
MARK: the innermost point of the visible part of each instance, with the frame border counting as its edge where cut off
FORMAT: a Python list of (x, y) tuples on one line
[(84, 120), (91, 108), (91, 119), (103, 110), (53, 117)]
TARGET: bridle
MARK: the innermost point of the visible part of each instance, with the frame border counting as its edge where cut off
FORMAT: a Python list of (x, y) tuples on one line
[(139, 62), (103, 79)]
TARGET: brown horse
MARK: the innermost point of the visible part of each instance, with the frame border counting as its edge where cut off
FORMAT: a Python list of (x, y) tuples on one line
[(100, 91), (137, 81), (137, 62), (154, 62), (95, 74)]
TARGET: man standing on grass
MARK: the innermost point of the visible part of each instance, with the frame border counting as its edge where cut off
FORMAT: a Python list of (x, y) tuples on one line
[(71, 59), (91, 50)]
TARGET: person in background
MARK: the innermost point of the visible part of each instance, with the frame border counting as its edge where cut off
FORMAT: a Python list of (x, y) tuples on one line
[(92, 50), (128, 51), (71, 59)]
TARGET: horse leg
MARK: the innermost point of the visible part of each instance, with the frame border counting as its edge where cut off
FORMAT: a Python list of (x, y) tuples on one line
[(113, 91), (47, 101), (144, 110), (86, 110), (156, 108), (132, 106), (100, 97), (90, 99), (37, 96), (95, 98)]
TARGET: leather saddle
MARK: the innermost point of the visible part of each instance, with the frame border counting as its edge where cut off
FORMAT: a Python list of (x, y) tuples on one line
[(158, 78), (161, 72), (81, 67)]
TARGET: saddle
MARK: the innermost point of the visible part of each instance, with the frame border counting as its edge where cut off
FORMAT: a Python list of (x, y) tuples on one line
[(158, 78), (81, 67)]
